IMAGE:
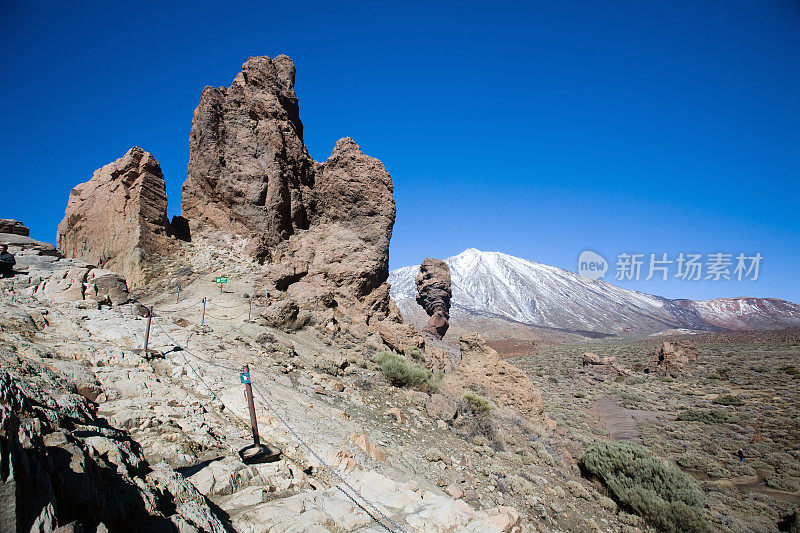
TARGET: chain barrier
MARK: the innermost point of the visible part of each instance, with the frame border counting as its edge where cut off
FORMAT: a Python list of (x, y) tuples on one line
[(290, 429)]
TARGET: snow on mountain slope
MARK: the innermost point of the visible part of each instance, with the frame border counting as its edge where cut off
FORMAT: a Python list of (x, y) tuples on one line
[(494, 284)]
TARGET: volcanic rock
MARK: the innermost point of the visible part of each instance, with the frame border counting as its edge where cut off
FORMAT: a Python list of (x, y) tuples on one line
[(250, 174), (608, 364), (440, 407), (324, 229), (64, 466), (14, 227), (672, 358), (118, 219), (589, 358), (508, 386), (433, 294)]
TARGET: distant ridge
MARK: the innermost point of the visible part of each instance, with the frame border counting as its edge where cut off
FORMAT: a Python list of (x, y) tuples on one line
[(498, 285)]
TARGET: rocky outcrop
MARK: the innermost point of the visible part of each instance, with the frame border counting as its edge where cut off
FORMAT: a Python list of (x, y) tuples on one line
[(65, 467), (250, 174), (608, 364), (323, 229), (672, 358), (14, 227), (43, 274), (433, 294), (482, 369), (118, 219), (343, 257)]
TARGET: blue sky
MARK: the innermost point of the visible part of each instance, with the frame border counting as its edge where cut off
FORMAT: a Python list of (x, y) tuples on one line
[(538, 129)]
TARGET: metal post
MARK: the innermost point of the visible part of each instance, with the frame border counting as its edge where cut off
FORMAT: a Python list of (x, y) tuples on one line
[(147, 330), (248, 390), (203, 321), (179, 295), (250, 310)]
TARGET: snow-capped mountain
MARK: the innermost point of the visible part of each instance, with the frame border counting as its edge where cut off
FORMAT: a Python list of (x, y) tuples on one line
[(493, 284)]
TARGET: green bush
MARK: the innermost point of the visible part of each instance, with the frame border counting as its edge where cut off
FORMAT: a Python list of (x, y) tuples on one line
[(783, 482), (415, 353), (728, 399), (479, 405), (662, 494), (326, 365), (713, 416), (694, 461), (401, 372), (792, 371)]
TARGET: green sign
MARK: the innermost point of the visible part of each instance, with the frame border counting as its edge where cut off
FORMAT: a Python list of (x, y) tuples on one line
[(223, 279), (245, 378)]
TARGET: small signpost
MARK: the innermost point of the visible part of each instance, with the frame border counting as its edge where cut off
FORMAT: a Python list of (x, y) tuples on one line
[(221, 280)]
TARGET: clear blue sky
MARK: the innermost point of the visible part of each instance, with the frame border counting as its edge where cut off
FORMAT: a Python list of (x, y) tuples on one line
[(538, 129)]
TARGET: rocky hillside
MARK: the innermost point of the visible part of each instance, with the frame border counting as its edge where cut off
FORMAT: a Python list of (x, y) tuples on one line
[(163, 427), (493, 285)]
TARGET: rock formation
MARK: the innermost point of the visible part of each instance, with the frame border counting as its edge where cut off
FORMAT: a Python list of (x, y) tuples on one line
[(14, 227), (324, 229), (42, 273), (65, 467), (249, 172), (481, 368), (118, 219), (672, 358), (433, 294), (608, 364)]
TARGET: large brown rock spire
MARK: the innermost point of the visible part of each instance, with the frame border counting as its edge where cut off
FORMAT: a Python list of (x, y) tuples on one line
[(324, 229)]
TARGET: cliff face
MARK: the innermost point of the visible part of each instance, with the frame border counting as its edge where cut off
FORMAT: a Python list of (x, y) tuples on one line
[(249, 172), (323, 228), (118, 219)]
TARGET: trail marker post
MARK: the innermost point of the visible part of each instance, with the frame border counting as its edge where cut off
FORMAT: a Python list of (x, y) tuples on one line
[(147, 330), (257, 452), (248, 391), (221, 280), (179, 295), (250, 310), (203, 320)]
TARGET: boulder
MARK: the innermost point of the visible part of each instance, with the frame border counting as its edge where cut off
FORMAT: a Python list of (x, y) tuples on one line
[(323, 228), (118, 219), (281, 313), (14, 227), (433, 294), (47, 277), (672, 358), (399, 337), (104, 285), (589, 358), (507, 386), (441, 407), (439, 355), (368, 447), (608, 364)]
